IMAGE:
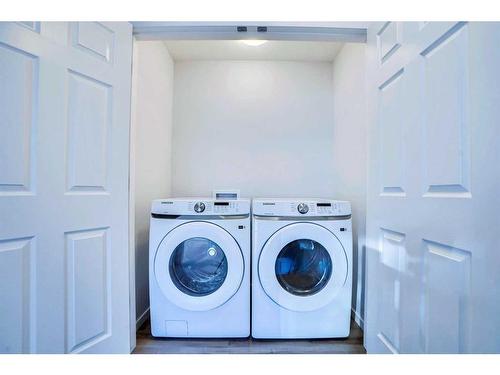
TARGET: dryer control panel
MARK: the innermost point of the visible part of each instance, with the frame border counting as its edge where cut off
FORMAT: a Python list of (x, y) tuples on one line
[(200, 206), (300, 207)]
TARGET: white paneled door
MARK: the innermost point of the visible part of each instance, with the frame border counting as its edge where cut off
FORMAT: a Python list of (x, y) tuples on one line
[(433, 249), (64, 145)]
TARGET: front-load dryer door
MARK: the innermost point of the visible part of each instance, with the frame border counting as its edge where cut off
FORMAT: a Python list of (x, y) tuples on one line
[(302, 267), (198, 266)]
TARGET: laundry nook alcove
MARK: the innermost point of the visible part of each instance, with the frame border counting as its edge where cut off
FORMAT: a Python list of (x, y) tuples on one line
[(269, 118)]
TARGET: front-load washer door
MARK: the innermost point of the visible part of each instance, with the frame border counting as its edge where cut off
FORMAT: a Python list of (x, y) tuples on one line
[(198, 266), (302, 267)]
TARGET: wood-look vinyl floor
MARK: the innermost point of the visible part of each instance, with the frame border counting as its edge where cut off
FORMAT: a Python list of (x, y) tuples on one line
[(147, 344)]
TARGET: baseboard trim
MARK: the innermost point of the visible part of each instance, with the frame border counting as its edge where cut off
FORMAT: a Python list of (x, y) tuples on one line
[(140, 321), (358, 319)]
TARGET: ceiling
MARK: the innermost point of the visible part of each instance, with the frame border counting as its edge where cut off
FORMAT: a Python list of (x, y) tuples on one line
[(236, 50)]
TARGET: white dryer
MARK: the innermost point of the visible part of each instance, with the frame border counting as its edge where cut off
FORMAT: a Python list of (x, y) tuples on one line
[(199, 268), (301, 268)]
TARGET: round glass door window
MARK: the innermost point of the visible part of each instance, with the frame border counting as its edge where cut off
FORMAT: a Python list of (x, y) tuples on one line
[(303, 267), (198, 266)]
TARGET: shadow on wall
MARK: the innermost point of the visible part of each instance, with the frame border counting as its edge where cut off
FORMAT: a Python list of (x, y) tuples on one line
[(358, 281), (142, 283)]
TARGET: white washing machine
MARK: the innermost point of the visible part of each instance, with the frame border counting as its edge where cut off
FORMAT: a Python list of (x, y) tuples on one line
[(199, 268), (301, 268)]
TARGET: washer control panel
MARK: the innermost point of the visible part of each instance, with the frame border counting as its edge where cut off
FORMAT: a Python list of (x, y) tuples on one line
[(224, 207), (300, 207), (200, 206)]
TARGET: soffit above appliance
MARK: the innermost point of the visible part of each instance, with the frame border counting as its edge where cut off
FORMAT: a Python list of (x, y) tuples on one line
[(234, 50)]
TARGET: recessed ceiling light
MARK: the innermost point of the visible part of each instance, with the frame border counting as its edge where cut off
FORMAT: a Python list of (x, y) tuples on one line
[(253, 42)]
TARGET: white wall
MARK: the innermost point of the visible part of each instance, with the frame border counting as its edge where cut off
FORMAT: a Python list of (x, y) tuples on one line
[(152, 96), (264, 127), (349, 152)]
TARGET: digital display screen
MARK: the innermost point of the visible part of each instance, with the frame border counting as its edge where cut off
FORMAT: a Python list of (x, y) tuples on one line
[(221, 203), (324, 204)]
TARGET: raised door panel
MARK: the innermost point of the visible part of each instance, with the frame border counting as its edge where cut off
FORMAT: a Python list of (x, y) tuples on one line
[(446, 123), (95, 39), (88, 288), (18, 109), (17, 296), (89, 121), (391, 133), (392, 258), (446, 296), (388, 40), (32, 25)]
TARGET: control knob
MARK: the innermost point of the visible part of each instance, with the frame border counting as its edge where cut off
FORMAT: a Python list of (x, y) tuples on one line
[(303, 208), (199, 207)]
